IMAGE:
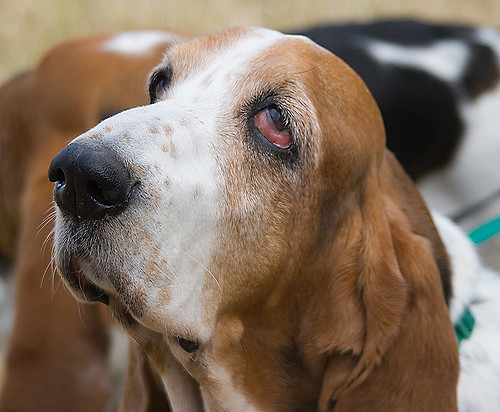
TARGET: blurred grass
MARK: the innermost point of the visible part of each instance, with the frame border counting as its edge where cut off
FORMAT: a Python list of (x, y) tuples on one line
[(28, 28)]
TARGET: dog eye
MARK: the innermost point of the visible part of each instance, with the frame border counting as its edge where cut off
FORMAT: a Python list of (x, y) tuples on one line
[(271, 125), (160, 80), (188, 345)]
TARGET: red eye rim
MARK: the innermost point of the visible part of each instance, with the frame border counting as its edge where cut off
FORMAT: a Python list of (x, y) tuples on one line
[(270, 124)]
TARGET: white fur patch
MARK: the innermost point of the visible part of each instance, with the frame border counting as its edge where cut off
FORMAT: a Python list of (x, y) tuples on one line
[(473, 173), (478, 387), (138, 42), (479, 288), (176, 143), (490, 37), (227, 396), (464, 264), (445, 59), (180, 224)]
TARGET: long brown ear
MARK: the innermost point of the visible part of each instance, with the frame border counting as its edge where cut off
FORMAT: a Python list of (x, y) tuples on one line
[(143, 390), (404, 351), (156, 380)]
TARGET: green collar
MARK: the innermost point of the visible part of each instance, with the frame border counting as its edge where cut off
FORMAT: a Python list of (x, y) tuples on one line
[(464, 326), (486, 231)]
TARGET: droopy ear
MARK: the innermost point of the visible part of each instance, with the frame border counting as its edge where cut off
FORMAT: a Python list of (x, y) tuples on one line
[(155, 379), (406, 351), (143, 389)]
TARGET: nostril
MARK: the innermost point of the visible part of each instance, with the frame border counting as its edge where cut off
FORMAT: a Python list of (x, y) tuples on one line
[(105, 194), (96, 192), (57, 175)]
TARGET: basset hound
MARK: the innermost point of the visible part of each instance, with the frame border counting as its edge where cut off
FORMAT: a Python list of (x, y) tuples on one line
[(252, 233)]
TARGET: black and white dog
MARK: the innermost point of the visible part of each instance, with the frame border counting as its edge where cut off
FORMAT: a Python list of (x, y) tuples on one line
[(438, 88)]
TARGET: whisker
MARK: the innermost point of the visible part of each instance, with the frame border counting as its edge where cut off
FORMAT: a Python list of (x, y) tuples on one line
[(50, 208), (49, 215), (81, 309), (203, 266), (46, 241), (48, 219), (51, 266), (163, 272), (80, 285), (157, 266), (317, 66), (57, 286), (52, 286)]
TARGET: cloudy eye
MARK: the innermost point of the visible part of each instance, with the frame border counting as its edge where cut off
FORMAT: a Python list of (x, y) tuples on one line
[(271, 125), (160, 80)]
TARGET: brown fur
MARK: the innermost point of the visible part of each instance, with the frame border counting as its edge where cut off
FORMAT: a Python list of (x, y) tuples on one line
[(143, 390), (58, 351), (331, 291)]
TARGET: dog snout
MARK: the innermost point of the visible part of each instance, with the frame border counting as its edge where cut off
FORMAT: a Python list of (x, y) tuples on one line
[(90, 182)]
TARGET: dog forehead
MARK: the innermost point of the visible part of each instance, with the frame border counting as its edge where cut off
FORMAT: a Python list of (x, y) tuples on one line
[(236, 44), (234, 53)]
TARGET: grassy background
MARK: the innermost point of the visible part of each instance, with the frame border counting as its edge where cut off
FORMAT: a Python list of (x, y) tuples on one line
[(28, 28)]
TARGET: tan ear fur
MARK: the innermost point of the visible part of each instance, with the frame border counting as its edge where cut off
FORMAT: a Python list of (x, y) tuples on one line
[(408, 352), (155, 379), (143, 390)]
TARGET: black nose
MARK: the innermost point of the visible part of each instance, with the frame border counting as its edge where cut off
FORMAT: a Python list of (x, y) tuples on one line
[(90, 183)]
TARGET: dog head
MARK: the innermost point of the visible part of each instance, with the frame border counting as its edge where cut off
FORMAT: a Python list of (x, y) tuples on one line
[(250, 226)]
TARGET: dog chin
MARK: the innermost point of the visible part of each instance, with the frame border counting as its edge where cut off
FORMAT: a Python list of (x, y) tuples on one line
[(79, 284), (86, 290)]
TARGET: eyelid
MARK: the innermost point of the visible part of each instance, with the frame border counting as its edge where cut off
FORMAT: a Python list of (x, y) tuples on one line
[(164, 75)]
